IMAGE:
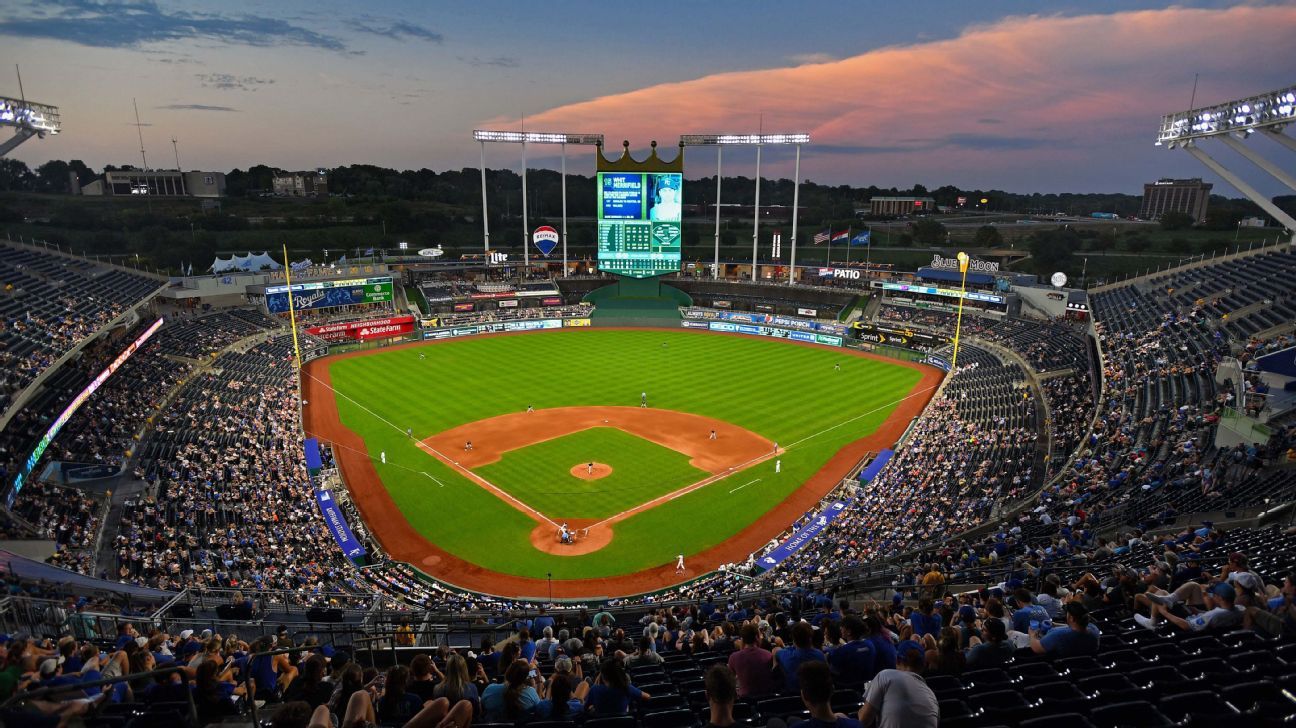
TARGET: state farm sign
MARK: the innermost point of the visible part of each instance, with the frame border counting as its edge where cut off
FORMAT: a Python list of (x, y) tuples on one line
[(363, 330)]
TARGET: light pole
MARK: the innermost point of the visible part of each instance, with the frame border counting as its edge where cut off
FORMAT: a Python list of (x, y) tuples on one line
[(796, 204), (963, 259), (750, 140), (525, 138), (756, 219)]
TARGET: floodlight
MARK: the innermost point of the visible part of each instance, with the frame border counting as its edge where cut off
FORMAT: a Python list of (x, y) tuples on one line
[(711, 140), (535, 137), (1272, 109)]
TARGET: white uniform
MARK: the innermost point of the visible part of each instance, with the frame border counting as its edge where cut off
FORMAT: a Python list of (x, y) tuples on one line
[(383, 455), (778, 466), (679, 563)]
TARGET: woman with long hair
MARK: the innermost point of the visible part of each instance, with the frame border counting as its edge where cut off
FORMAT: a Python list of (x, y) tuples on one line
[(348, 683), (456, 685), (396, 705), (211, 695), (946, 658), (612, 691), (309, 685), (559, 705), (513, 699)]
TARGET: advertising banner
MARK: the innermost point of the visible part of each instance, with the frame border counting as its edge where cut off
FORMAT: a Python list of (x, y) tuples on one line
[(896, 336), (329, 294), (763, 318), (943, 292), (804, 534), (338, 526), (575, 322), (363, 330), (545, 239), (808, 311), (726, 327), (508, 303), (464, 307), (551, 301)]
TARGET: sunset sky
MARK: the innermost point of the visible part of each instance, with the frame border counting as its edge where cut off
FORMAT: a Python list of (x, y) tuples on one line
[(1022, 96)]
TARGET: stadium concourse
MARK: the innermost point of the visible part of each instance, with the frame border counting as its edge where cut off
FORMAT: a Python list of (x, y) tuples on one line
[(1058, 540)]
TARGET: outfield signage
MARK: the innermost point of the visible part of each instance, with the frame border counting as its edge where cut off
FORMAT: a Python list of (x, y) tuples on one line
[(894, 336), (939, 362), (764, 318), (499, 327), (807, 311), (329, 294), (337, 525), (726, 327), (804, 535), (942, 292), (363, 330)]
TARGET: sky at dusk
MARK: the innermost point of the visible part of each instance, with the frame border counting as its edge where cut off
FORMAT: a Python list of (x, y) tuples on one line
[(1014, 95)]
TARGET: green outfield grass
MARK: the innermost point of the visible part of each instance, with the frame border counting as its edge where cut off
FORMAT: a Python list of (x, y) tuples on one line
[(787, 393), (540, 475)]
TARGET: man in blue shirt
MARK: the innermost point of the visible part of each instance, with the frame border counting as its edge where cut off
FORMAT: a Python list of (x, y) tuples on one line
[(1027, 612), (816, 693), (790, 659), (884, 650), (853, 662), (1077, 638)]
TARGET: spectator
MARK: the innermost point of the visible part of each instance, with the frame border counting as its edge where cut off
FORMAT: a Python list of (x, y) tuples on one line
[(815, 679), (721, 693), (790, 659), (612, 691), (900, 698), (513, 699), (559, 702), (752, 666), (994, 650), (309, 687), (456, 685), (925, 619), (424, 677), (853, 662), (1218, 611), (944, 656), (644, 655), (1077, 637)]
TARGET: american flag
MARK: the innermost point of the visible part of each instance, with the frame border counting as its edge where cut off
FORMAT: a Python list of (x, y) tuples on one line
[(821, 237)]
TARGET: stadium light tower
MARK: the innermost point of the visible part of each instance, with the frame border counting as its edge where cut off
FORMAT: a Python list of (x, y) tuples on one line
[(524, 138), (28, 118), (1232, 123), (720, 141)]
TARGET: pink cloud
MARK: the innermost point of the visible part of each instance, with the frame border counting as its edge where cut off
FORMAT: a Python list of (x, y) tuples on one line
[(1018, 94)]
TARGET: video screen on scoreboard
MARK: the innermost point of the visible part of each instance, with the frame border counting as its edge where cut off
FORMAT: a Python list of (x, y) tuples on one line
[(640, 222)]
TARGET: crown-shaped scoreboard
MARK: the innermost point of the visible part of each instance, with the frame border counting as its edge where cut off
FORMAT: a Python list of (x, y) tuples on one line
[(640, 213)]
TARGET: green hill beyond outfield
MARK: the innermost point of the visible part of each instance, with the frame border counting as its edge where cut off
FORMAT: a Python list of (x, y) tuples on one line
[(787, 393)]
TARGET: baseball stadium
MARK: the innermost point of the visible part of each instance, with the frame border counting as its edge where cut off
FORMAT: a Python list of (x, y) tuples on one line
[(660, 484)]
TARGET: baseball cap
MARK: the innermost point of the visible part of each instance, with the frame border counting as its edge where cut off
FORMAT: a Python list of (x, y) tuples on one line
[(1246, 580), (186, 634), (142, 641), (1224, 591), (206, 635), (48, 667), (967, 613), (907, 646)]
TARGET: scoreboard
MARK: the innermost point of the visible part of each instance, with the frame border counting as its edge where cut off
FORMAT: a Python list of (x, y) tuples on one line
[(639, 222)]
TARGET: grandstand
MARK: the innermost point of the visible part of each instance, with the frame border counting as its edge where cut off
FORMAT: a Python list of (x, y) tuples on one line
[(1061, 461)]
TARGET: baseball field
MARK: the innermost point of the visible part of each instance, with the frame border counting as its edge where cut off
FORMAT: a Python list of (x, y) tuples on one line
[(467, 456)]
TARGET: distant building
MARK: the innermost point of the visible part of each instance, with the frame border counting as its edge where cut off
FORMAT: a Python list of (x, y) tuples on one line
[(157, 183), (894, 206), (1188, 196), (300, 184)]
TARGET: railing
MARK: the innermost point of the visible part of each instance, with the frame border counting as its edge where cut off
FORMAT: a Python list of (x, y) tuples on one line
[(22, 697)]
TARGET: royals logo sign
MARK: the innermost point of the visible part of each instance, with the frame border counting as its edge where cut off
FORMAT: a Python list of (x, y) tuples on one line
[(545, 239)]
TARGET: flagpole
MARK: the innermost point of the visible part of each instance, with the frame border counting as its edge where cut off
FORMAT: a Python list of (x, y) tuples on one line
[(292, 310), (868, 251), (829, 261), (848, 244)]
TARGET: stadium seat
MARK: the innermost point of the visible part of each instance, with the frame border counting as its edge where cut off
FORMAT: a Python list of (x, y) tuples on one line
[(1200, 708), (1132, 714), (1260, 698), (1057, 720), (1033, 673), (669, 719), (783, 707), (615, 721), (659, 703), (998, 705), (1059, 697)]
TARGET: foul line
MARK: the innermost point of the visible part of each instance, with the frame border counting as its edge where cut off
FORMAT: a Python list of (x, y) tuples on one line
[(743, 466), (744, 485), (439, 483), (427, 448)]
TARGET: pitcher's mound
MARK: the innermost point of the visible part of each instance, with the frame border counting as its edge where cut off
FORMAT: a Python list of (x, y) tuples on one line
[(584, 472)]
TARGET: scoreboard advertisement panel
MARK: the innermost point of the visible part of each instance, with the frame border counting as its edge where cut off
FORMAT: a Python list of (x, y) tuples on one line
[(640, 218), (329, 294)]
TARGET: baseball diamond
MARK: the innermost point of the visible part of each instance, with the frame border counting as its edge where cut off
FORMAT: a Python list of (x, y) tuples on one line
[(478, 490)]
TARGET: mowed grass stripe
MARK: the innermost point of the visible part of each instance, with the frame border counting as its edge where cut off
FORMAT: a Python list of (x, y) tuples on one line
[(779, 390), (540, 475)]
